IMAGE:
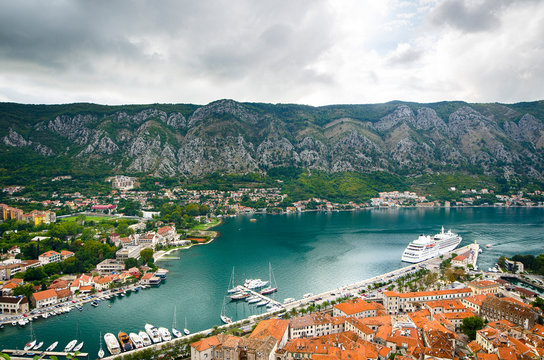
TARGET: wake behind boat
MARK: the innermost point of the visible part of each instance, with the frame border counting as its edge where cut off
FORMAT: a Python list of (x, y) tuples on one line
[(426, 247)]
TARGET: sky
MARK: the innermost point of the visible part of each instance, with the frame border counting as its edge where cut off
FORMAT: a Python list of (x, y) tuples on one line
[(314, 52)]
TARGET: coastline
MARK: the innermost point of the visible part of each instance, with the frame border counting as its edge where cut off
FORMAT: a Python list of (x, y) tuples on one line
[(160, 255)]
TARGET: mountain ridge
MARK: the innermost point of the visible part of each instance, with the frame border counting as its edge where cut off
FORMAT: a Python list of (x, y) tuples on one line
[(227, 136)]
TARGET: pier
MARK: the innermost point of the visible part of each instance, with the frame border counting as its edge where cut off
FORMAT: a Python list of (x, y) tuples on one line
[(17, 354), (258, 294)]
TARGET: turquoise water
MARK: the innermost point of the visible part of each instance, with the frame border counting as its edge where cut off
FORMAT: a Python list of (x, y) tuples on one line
[(309, 252)]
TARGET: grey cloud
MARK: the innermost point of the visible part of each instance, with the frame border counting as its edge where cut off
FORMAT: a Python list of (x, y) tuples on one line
[(221, 40), (405, 57), (468, 17)]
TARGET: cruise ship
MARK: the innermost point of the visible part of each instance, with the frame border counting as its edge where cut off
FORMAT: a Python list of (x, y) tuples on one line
[(427, 247)]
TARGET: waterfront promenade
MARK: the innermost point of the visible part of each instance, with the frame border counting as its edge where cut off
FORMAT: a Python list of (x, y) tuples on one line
[(347, 290)]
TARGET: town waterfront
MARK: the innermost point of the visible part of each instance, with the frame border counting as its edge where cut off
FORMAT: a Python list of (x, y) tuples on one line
[(309, 252)]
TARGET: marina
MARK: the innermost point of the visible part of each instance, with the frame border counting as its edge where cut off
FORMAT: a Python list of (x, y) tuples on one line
[(310, 253)]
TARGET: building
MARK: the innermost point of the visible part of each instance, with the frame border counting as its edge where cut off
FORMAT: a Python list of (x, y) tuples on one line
[(166, 234), (514, 266), (49, 257), (484, 287), (130, 251), (474, 303), (122, 182), (65, 254), (358, 308), (13, 305), (315, 324), (44, 298), (105, 209), (10, 213), (109, 266), (395, 302), (494, 309)]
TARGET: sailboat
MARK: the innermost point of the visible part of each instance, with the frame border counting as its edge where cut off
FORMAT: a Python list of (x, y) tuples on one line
[(232, 285), (185, 330), (72, 344), (271, 280), (225, 318), (101, 351), (29, 345), (175, 331)]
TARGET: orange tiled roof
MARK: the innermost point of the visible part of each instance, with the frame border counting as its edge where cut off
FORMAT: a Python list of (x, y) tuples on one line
[(45, 294), (271, 327), (483, 283), (206, 343), (425, 293), (49, 253), (356, 306)]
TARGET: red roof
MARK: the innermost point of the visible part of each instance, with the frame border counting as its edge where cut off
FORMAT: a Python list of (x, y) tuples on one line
[(103, 207), (46, 294)]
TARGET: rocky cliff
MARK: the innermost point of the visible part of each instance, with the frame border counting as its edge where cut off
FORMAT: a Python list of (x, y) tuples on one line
[(227, 136)]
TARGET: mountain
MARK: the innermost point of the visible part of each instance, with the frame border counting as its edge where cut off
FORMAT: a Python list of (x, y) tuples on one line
[(227, 136)]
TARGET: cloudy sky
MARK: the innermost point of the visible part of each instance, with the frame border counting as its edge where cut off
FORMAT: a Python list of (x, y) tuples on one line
[(313, 52)]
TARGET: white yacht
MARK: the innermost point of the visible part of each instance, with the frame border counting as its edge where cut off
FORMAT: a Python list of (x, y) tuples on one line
[(153, 333), (427, 247), (165, 334), (145, 338), (70, 346), (112, 344), (136, 340), (255, 283)]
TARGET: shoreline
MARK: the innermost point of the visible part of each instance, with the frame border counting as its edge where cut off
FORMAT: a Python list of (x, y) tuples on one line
[(161, 254)]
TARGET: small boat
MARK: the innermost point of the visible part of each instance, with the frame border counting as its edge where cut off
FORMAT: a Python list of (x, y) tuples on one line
[(70, 346), (262, 303), (78, 346), (252, 220), (53, 346), (136, 340), (21, 322), (224, 317), (307, 295), (29, 345), (489, 246), (271, 280), (153, 333), (145, 338), (38, 346), (175, 331), (165, 334), (185, 330), (254, 300), (125, 342), (14, 323), (100, 351), (112, 344), (239, 296)]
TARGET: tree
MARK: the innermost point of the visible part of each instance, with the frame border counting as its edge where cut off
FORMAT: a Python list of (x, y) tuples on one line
[(25, 290), (470, 325), (147, 255), (130, 263)]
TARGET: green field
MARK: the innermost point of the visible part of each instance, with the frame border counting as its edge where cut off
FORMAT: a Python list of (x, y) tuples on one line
[(89, 218), (209, 225)]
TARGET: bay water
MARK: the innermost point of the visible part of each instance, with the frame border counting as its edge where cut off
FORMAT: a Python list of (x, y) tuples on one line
[(309, 252)]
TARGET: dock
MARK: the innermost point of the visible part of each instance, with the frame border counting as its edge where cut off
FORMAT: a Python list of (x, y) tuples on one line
[(19, 354), (258, 294)]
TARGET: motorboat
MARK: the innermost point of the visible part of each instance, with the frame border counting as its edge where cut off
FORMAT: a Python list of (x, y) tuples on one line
[(70, 346), (165, 334), (53, 346), (125, 342), (145, 338), (136, 340), (112, 344), (262, 303), (79, 346), (153, 333)]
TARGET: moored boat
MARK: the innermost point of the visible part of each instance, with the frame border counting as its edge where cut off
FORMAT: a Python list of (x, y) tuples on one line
[(153, 333), (29, 345), (136, 340), (38, 346), (70, 346), (145, 338), (426, 247), (112, 344), (124, 341), (53, 346), (262, 303), (165, 334), (79, 346)]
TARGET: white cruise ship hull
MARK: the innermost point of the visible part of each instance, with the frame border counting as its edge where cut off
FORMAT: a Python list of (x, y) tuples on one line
[(425, 247)]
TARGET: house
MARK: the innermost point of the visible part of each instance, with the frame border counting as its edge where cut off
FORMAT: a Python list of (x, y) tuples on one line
[(128, 252), (474, 302), (105, 209), (396, 302), (59, 284), (44, 298), (49, 257), (231, 347), (102, 283), (14, 251), (166, 234), (13, 305), (65, 254), (357, 308), (517, 312), (134, 271), (63, 295), (109, 266), (484, 287), (277, 328), (10, 285)]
